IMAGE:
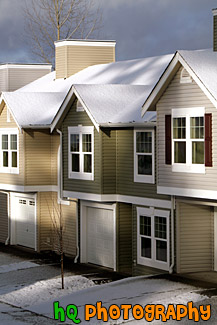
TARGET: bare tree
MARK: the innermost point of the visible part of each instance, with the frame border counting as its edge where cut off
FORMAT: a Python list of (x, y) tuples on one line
[(51, 20)]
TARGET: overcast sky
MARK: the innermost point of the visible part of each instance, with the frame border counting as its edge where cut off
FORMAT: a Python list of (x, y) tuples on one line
[(141, 27)]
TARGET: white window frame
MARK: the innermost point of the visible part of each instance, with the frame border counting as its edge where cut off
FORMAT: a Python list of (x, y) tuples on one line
[(153, 262), (80, 130), (188, 167), (9, 170), (144, 178)]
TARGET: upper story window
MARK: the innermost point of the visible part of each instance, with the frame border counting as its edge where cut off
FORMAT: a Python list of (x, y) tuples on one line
[(79, 106), (144, 156), (81, 149), (9, 151), (188, 146)]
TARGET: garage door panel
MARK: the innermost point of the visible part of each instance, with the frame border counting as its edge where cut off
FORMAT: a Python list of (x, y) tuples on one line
[(100, 236)]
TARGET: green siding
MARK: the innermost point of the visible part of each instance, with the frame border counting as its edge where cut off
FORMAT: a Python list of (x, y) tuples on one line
[(124, 237), (74, 118)]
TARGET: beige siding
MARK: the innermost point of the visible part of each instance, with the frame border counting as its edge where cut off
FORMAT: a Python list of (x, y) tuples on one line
[(71, 59), (215, 33), (6, 178), (195, 234), (41, 150), (3, 217), (124, 236), (3, 80), (74, 118), (183, 96), (48, 221)]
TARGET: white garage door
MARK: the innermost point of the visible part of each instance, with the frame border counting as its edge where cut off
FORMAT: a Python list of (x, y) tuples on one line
[(23, 211), (100, 236)]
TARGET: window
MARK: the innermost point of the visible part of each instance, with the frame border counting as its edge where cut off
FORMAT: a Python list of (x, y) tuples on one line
[(9, 151), (188, 140), (153, 238), (144, 156), (81, 142)]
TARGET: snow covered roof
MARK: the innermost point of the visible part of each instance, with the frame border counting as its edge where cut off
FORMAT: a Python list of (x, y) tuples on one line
[(101, 86), (200, 64)]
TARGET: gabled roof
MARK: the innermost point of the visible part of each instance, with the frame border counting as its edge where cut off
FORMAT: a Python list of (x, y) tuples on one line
[(114, 93), (202, 67)]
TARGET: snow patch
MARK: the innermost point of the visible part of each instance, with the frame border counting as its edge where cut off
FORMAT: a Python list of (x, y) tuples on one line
[(17, 266)]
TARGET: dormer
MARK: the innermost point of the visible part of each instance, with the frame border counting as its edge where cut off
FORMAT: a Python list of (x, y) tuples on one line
[(73, 56)]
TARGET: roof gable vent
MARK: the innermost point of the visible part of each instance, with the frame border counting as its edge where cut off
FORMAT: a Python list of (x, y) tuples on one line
[(185, 78), (79, 106)]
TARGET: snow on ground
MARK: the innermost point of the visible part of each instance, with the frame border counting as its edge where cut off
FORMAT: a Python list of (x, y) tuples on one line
[(43, 291), (17, 266)]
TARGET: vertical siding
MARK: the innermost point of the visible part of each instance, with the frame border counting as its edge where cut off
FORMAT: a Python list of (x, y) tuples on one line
[(37, 157), (48, 221), (6, 178), (182, 96), (195, 236), (3, 217), (74, 118), (124, 237), (71, 59), (109, 161)]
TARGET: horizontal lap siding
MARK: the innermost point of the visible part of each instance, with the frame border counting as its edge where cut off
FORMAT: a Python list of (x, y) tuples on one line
[(183, 96), (124, 238), (74, 118), (48, 223), (3, 217), (109, 161), (38, 158), (3, 80), (195, 233)]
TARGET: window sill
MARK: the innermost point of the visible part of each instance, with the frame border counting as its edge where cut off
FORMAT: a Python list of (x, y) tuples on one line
[(81, 176), (9, 170), (183, 168), (144, 179), (155, 264)]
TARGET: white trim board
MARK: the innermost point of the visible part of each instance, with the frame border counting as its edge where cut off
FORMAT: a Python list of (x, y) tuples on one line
[(20, 188), (187, 192), (119, 198), (85, 43), (25, 66)]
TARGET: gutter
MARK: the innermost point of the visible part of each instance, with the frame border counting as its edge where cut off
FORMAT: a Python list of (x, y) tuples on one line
[(8, 195), (172, 233), (60, 191)]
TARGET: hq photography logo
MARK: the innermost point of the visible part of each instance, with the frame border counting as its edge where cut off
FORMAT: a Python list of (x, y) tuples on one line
[(137, 312)]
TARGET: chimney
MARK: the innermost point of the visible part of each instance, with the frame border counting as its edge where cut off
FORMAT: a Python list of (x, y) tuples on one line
[(73, 56), (214, 11)]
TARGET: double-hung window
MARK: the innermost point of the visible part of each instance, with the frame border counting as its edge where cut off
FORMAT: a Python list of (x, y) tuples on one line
[(81, 160), (188, 140), (153, 238), (144, 156), (9, 151)]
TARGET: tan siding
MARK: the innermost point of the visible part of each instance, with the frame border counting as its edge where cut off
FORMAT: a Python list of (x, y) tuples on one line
[(40, 158), (182, 96), (55, 143), (48, 223), (3, 217), (74, 118), (6, 178), (124, 234), (195, 235), (3, 80), (71, 59)]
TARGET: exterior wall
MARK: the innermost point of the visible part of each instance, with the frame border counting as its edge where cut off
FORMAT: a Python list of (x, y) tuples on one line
[(74, 118), (109, 160), (215, 33), (183, 96), (41, 150), (72, 58), (3, 217), (48, 220), (124, 238), (6, 178), (3, 80), (195, 238)]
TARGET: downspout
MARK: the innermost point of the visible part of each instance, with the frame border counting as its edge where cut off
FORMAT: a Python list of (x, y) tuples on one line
[(8, 195), (60, 191), (172, 233)]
